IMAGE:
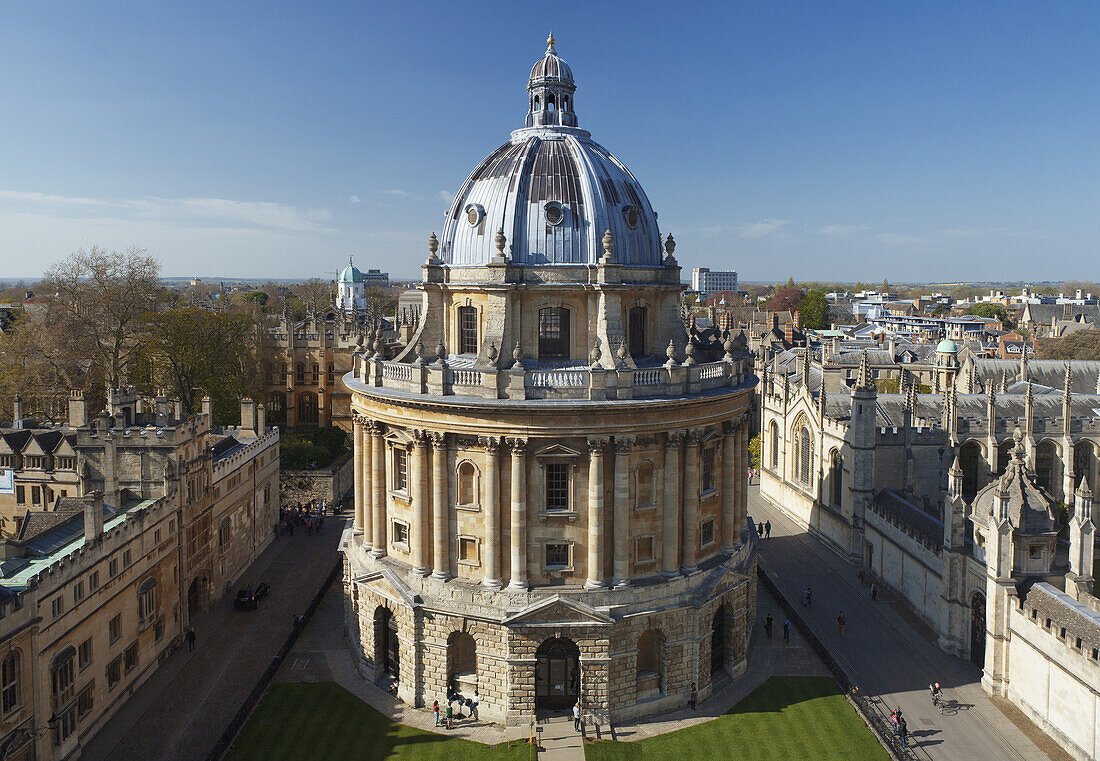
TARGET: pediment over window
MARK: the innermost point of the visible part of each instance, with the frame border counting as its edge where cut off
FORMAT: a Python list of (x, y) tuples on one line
[(557, 612), (389, 585), (399, 437), (557, 450)]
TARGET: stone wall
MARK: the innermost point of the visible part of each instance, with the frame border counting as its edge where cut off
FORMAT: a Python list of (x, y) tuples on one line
[(331, 483)]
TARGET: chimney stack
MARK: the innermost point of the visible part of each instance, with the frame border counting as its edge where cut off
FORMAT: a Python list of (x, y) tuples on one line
[(248, 416), (207, 405), (18, 411), (78, 410), (261, 420), (93, 518)]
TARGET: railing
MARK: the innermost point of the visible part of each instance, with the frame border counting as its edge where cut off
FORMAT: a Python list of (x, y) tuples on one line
[(396, 371), (558, 378), (466, 377), (653, 377), (712, 370)]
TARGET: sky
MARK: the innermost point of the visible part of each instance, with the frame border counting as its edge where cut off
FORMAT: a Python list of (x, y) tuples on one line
[(931, 141)]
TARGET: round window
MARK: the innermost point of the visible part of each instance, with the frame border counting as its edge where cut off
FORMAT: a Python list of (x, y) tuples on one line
[(631, 217), (554, 213), (474, 214)]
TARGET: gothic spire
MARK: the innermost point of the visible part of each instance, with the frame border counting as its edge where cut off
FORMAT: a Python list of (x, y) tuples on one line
[(863, 377)]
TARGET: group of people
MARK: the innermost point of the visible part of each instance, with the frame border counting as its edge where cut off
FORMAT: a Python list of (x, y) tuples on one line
[(310, 516), (863, 577), (901, 729), (448, 714), (763, 530)]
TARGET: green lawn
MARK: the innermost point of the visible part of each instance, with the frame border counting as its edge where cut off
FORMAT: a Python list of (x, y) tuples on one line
[(786, 719), (325, 722)]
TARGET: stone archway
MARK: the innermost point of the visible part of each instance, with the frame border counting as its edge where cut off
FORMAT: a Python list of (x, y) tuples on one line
[(557, 674), (977, 629), (197, 595)]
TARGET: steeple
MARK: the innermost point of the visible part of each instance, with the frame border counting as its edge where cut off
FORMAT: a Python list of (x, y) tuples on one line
[(550, 91)]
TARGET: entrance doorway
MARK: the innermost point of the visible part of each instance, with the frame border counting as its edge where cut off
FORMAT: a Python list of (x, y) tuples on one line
[(196, 596), (386, 650), (977, 630), (557, 674)]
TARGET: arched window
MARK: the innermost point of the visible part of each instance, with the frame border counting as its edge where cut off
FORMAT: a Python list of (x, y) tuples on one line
[(330, 374), (1084, 463), (836, 477), (467, 484), (970, 457), (316, 373), (461, 661), (553, 332), (10, 696), (805, 456), (1045, 457), (550, 102), (536, 103), (636, 331), (147, 598), (773, 434), (1004, 454), (645, 484), (467, 330)]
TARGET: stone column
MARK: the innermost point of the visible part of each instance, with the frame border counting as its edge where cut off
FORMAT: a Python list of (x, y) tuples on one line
[(419, 529), (742, 479), (691, 502), (378, 491), (492, 512), (518, 573), (731, 484), (360, 455), (623, 445), (670, 509), (441, 509), (595, 513)]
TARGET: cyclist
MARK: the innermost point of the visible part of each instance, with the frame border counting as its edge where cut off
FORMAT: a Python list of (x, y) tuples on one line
[(936, 693)]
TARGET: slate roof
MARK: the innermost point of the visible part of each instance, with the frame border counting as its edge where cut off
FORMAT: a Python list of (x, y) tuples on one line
[(1030, 510), (900, 511), (1046, 372)]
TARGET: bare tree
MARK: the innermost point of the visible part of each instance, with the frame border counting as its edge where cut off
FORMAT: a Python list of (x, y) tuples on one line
[(99, 298)]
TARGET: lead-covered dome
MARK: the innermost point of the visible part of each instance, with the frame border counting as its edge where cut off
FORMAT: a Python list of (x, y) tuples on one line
[(552, 190)]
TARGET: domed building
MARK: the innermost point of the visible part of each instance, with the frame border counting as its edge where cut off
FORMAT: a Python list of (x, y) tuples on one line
[(551, 474)]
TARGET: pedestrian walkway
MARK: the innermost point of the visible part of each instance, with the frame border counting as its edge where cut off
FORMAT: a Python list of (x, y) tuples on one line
[(884, 654), (559, 741), (180, 712)]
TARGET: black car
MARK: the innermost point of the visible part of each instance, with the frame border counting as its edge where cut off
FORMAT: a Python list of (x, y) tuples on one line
[(249, 597)]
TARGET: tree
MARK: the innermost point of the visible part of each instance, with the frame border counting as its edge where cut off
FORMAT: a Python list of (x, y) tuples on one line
[(941, 310), (1084, 344), (198, 352), (99, 302), (786, 299), (990, 310), (814, 309), (258, 297), (841, 314), (754, 452), (317, 292), (885, 286)]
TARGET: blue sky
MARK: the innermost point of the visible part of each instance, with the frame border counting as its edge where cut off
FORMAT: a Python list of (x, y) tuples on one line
[(839, 140)]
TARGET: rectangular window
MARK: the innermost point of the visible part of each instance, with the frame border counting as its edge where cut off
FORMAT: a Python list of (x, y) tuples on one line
[(57, 606), (131, 657), (636, 331), (400, 533), (554, 332), (467, 326), (467, 549), (706, 533), (156, 536), (644, 549), (126, 559), (84, 654), (114, 672), (400, 466), (708, 468), (85, 701), (36, 495), (66, 725), (112, 567), (223, 534), (557, 486), (158, 629), (1035, 552), (93, 581), (78, 592), (557, 556), (147, 600), (63, 682), (20, 495), (114, 629)]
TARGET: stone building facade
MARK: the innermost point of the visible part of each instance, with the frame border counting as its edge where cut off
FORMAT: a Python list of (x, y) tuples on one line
[(551, 510)]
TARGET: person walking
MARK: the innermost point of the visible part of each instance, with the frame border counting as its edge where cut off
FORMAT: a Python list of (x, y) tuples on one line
[(809, 596), (577, 716), (786, 630), (760, 530), (840, 624), (874, 591), (473, 706), (767, 529), (435, 710), (693, 698), (768, 625), (903, 732), (190, 639), (862, 577), (450, 714)]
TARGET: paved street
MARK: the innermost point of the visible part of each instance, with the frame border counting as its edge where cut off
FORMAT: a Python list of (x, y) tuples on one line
[(885, 655), (181, 711)]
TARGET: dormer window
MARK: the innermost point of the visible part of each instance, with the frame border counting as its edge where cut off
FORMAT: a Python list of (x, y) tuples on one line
[(554, 213)]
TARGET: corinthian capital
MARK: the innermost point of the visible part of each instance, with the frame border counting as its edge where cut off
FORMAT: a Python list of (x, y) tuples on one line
[(623, 444), (519, 446), (438, 439), (490, 443), (597, 444), (675, 439)]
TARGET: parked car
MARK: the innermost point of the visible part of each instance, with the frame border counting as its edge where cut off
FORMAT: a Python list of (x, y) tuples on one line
[(249, 597)]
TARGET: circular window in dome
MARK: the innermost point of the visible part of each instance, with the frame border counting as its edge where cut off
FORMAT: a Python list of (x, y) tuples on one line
[(554, 213), (631, 213), (474, 214)]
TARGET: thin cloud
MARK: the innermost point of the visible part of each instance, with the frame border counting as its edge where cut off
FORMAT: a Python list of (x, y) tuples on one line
[(353, 199), (761, 228), (444, 196), (840, 231), (396, 192)]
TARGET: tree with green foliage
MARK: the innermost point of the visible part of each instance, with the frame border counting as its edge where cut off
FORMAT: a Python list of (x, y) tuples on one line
[(941, 310), (754, 452), (990, 310), (814, 309), (199, 352), (258, 297)]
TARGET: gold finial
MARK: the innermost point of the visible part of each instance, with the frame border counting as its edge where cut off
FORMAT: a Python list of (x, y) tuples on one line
[(550, 43)]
